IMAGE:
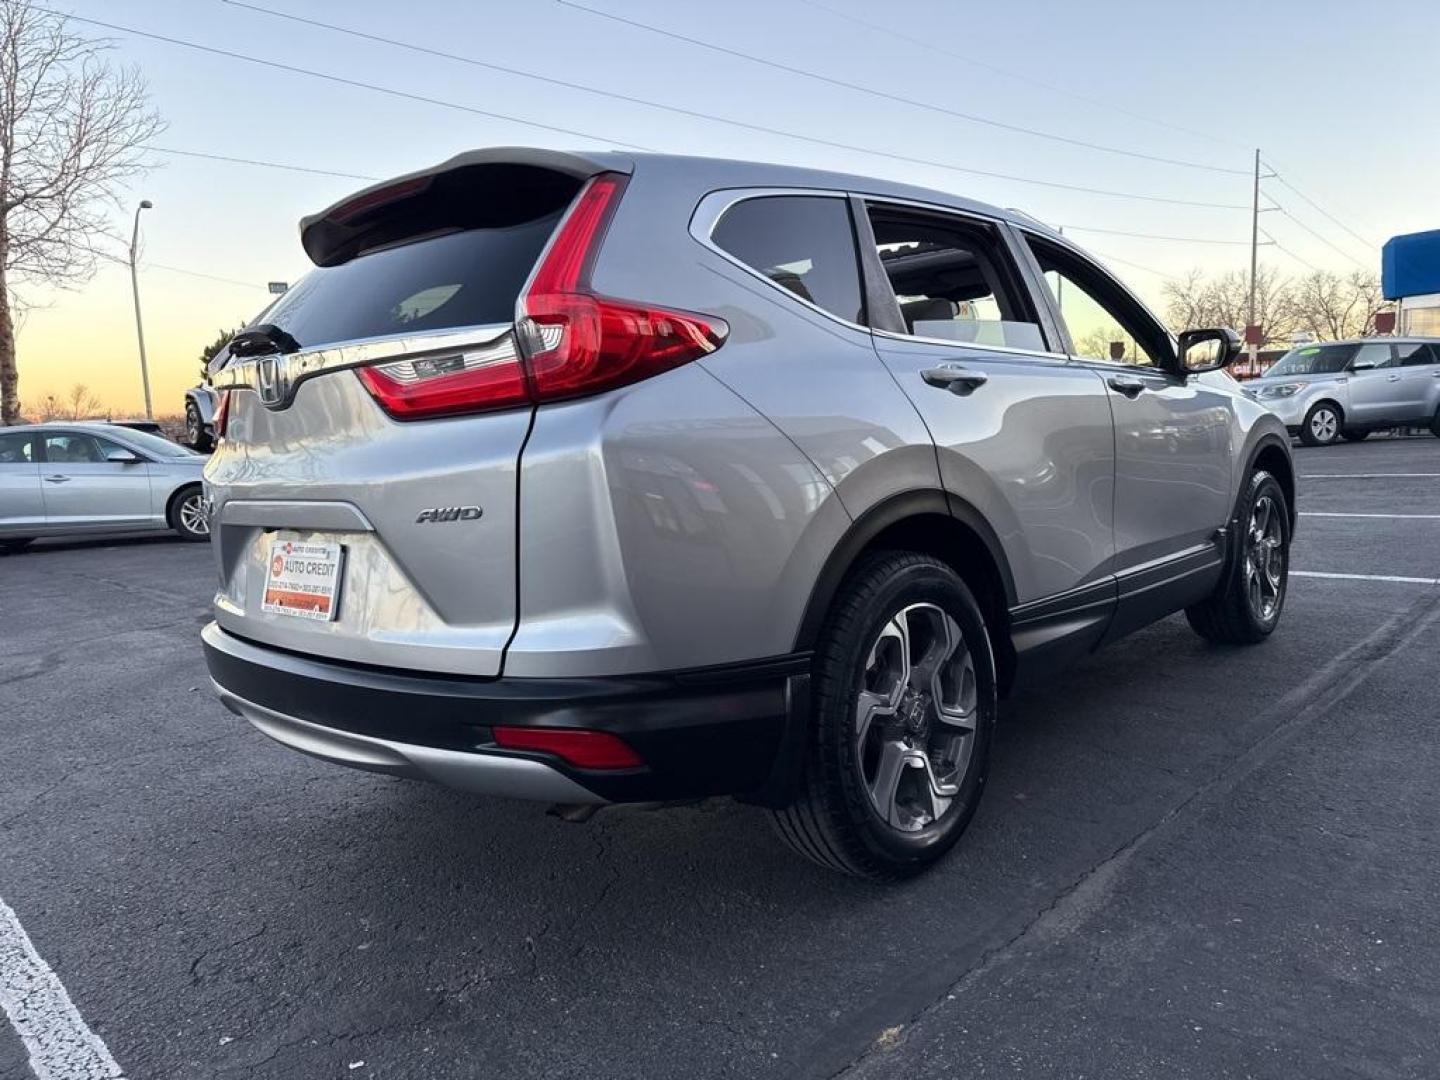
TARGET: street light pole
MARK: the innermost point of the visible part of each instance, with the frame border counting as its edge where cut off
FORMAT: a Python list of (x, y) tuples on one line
[(145, 204)]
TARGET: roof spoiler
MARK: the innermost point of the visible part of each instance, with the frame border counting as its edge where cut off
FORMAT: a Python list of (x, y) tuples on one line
[(527, 181)]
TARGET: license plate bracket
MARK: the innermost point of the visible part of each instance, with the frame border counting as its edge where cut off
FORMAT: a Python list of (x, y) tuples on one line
[(303, 578)]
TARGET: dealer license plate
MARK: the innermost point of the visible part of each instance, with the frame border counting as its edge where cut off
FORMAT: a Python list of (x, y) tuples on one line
[(303, 579)]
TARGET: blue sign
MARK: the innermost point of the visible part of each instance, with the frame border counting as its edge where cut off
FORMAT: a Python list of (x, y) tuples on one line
[(1410, 265)]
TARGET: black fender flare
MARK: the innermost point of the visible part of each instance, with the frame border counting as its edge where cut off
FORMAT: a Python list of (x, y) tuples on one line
[(891, 511)]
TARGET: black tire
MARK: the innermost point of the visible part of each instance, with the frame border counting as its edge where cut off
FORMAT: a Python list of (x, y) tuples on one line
[(1435, 424), (15, 545), (187, 514), (1230, 616), (1323, 424), (833, 820), (196, 434), (1355, 436)]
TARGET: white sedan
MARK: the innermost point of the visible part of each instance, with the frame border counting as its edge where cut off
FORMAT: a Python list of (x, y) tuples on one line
[(69, 478)]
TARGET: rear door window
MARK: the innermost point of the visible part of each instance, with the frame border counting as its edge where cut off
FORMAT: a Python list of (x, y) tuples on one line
[(467, 278), (1416, 354), (952, 279), (1371, 356), (16, 449), (803, 243)]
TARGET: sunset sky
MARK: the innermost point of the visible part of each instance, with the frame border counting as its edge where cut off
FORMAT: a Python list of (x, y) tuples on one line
[(1329, 91)]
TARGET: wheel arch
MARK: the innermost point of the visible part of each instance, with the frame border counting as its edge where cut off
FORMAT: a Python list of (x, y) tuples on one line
[(934, 523), (1271, 452), (172, 503)]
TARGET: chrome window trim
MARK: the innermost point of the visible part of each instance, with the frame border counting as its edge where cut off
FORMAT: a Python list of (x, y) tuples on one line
[(295, 368), (1033, 354)]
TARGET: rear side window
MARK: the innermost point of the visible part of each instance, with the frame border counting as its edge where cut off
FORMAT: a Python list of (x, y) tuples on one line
[(803, 243), (16, 450), (467, 278), (1416, 354)]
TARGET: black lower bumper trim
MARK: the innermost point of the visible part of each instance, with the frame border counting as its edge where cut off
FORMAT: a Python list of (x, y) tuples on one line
[(704, 731)]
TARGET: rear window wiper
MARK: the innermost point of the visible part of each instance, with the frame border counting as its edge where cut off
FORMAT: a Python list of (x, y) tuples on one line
[(266, 339)]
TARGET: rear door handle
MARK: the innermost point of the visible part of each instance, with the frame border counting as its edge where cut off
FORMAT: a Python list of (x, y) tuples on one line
[(1126, 384), (1392, 378), (956, 379), (57, 479)]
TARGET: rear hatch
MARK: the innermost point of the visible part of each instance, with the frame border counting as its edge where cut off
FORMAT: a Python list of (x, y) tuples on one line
[(374, 418)]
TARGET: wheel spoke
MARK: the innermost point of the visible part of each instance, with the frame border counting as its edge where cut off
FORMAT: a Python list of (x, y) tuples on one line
[(868, 705), (886, 785)]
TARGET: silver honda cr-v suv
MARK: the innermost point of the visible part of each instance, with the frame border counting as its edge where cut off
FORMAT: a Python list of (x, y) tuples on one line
[(594, 478)]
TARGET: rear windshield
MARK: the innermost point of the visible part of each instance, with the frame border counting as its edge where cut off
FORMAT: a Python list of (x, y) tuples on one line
[(1313, 360), (469, 278)]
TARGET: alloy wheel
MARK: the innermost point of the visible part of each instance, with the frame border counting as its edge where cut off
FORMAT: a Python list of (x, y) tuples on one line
[(1265, 559), (915, 717), (193, 515)]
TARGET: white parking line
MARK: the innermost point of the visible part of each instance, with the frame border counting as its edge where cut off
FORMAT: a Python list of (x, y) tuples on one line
[(1372, 476), (1337, 514), (61, 1046), (1367, 577)]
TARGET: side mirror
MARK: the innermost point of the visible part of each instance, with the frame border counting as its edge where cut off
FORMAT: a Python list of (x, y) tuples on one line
[(120, 457), (1207, 350)]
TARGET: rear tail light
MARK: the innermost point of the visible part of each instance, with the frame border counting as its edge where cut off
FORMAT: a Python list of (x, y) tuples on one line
[(582, 749), (569, 341), (222, 414)]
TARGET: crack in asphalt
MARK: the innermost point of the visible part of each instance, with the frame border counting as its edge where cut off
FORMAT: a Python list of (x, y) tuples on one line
[(1295, 711)]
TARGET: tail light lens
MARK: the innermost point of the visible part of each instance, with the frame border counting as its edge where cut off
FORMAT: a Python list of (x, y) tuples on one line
[(222, 414), (569, 341), (583, 749)]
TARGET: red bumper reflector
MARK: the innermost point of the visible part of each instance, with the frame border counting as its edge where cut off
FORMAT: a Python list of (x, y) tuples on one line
[(583, 749)]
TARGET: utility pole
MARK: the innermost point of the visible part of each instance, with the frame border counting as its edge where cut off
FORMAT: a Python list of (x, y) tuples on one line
[(145, 204), (1253, 347)]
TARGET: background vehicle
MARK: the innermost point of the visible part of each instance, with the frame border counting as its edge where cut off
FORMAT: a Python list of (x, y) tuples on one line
[(1347, 389), (592, 478), (200, 418), (149, 427), (65, 478)]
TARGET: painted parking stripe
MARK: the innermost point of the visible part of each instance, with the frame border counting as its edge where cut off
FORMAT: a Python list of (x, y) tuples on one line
[(61, 1046), (1390, 517), (1372, 476), (1366, 577)]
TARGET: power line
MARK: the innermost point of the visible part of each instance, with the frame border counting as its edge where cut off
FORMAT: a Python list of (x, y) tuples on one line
[(177, 270), (1158, 236), (1317, 236), (1320, 209), (1282, 248), (765, 129), (1135, 265), (257, 162), (885, 95), (310, 73), (1052, 87)]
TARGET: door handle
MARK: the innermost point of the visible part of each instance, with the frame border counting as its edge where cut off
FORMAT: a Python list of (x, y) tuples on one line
[(1392, 378), (57, 479), (1126, 384), (956, 379)]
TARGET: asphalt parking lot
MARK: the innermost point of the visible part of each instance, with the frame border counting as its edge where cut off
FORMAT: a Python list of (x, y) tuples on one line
[(1191, 862)]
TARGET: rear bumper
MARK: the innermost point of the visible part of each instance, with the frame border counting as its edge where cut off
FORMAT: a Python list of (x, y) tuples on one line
[(728, 730)]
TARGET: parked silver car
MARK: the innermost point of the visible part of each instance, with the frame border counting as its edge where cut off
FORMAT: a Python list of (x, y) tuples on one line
[(598, 478), (68, 478), (1347, 389)]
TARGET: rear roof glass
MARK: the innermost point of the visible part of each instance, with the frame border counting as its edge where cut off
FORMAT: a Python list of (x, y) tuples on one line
[(466, 278)]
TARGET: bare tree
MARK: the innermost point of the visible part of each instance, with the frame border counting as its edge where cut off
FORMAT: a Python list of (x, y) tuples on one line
[(79, 404), (1332, 307), (72, 129), (1195, 302)]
